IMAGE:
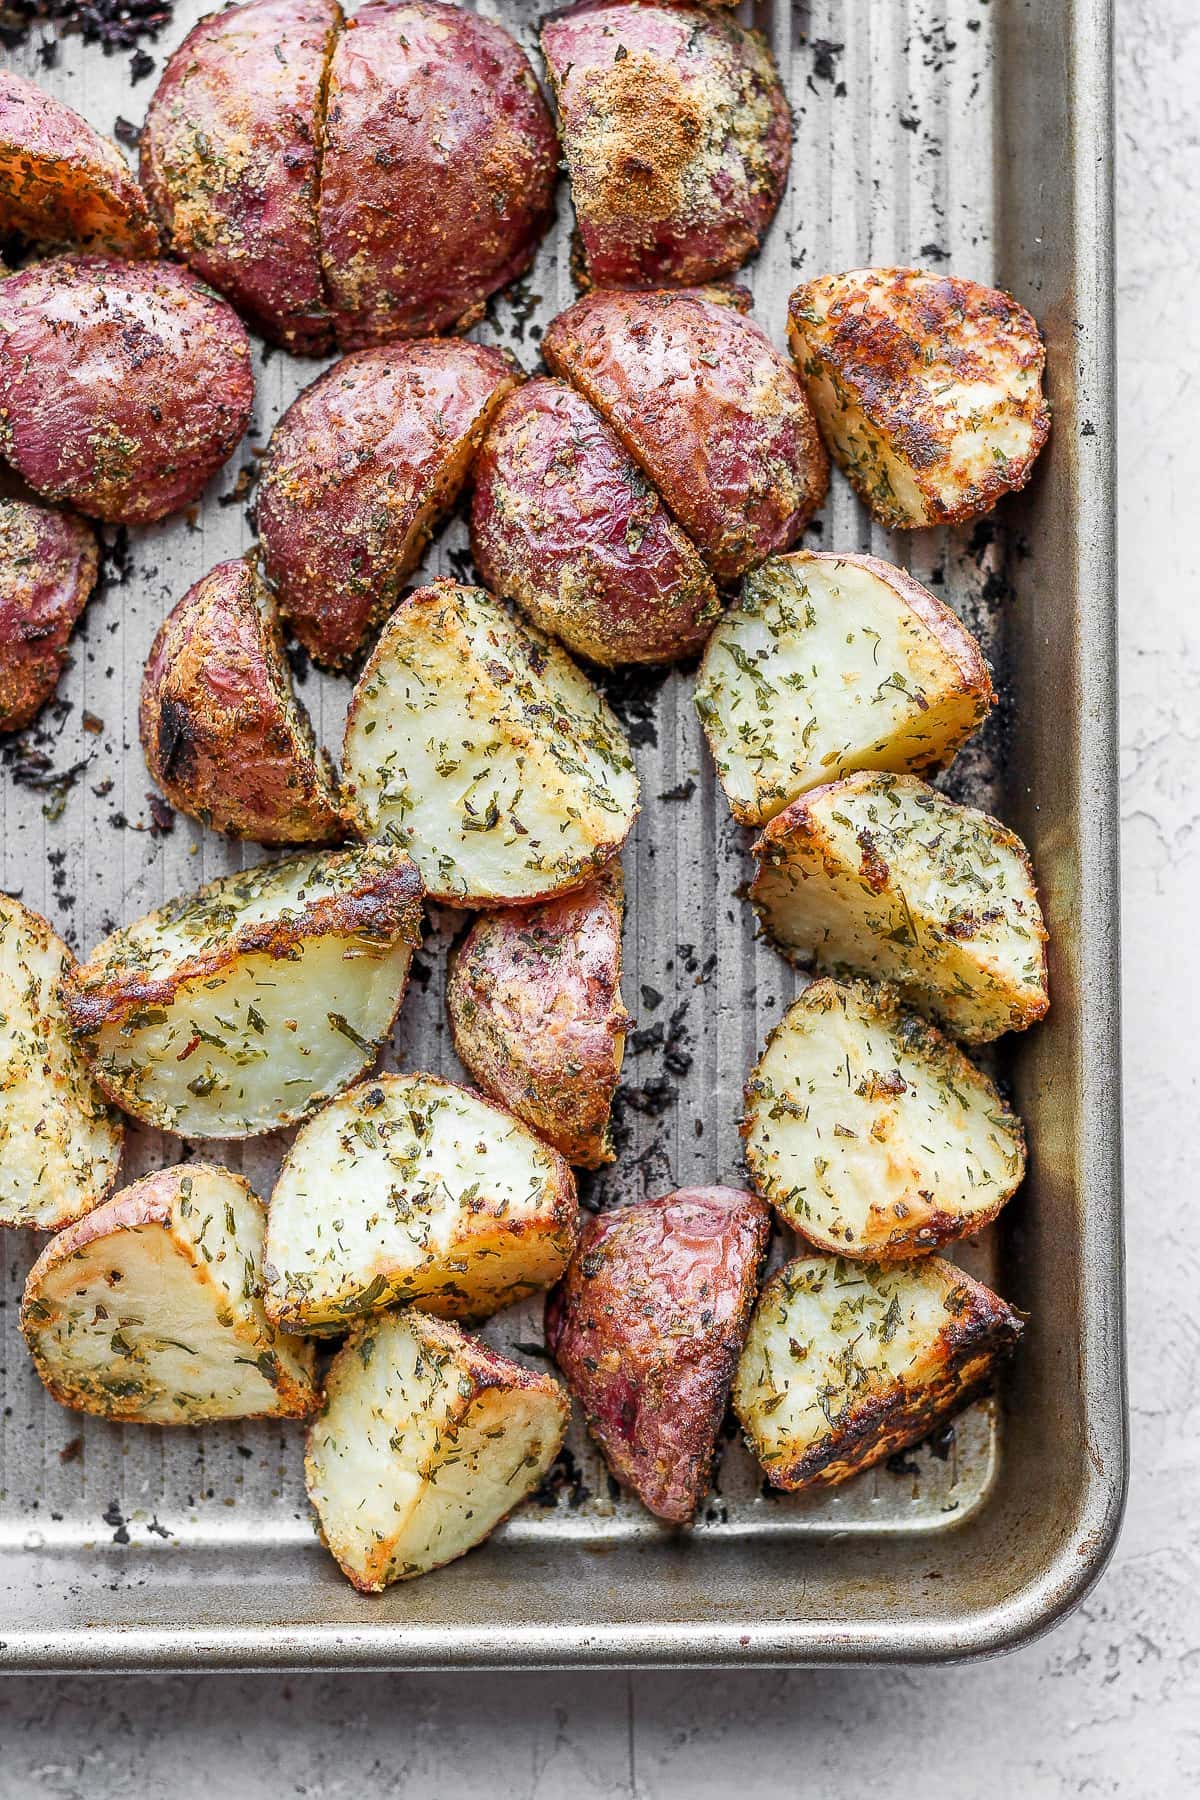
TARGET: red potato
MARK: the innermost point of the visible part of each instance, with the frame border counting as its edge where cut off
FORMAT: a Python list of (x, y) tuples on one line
[(710, 410), (360, 469), (229, 158), (677, 138), (564, 524), (61, 182), (123, 386), (438, 170), (48, 563)]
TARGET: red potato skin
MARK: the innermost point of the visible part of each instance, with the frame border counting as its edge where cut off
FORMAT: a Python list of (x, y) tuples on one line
[(677, 138), (61, 182), (713, 414), (123, 386), (564, 524), (360, 469), (48, 564), (229, 161), (647, 1326), (438, 171)]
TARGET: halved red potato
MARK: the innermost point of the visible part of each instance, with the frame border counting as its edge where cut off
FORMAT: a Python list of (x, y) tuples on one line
[(438, 167), (229, 159), (61, 182), (48, 563), (223, 733), (677, 138), (360, 470), (123, 386), (711, 411)]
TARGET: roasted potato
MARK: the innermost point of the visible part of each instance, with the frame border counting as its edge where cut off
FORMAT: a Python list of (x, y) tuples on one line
[(565, 524), (478, 746), (148, 1311), (870, 1133), (928, 389), (847, 1363), (61, 182), (534, 997), (123, 386), (707, 406), (48, 564), (830, 664), (224, 735), (360, 470), (243, 1007), (229, 158), (437, 174), (427, 1439), (60, 1146), (647, 1327), (677, 138), (881, 875)]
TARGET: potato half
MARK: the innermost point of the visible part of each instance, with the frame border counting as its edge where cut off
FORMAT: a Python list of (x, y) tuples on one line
[(224, 735), (48, 564), (872, 1134), (148, 1309), (476, 744), (241, 1008), (847, 1363), (61, 182), (410, 1188), (830, 664), (60, 1146), (881, 875), (427, 1439), (928, 389), (534, 996)]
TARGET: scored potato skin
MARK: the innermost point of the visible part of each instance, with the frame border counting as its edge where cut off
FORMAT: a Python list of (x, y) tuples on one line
[(564, 524), (48, 565), (648, 1324), (438, 170), (712, 412), (123, 386), (229, 161), (61, 182)]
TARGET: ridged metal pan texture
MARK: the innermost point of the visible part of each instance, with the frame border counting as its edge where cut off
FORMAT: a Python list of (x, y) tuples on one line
[(955, 134)]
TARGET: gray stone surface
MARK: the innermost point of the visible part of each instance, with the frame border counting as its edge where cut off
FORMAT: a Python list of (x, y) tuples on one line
[(1109, 1704)]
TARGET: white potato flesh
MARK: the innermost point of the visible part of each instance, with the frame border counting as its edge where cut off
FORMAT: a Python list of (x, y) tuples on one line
[(881, 875), (476, 744), (60, 1145), (831, 664), (872, 1134), (427, 1439), (148, 1309), (409, 1188)]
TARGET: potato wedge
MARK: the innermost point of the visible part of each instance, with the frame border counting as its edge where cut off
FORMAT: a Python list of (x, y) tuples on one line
[(847, 1363), (478, 746), (410, 1188), (48, 564), (243, 1007), (61, 182), (830, 664), (60, 1145), (928, 389), (710, 410), (647, 1327), (565, 524), (229, 158), (881, 875), (360, 471), (534, 997), (148, 1309), (870, 1133), (427, 1439), (677, 138), (224, 735)]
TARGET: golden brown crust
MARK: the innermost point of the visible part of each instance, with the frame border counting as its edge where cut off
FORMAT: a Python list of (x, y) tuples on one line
[(61, 182), (48, 564)]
